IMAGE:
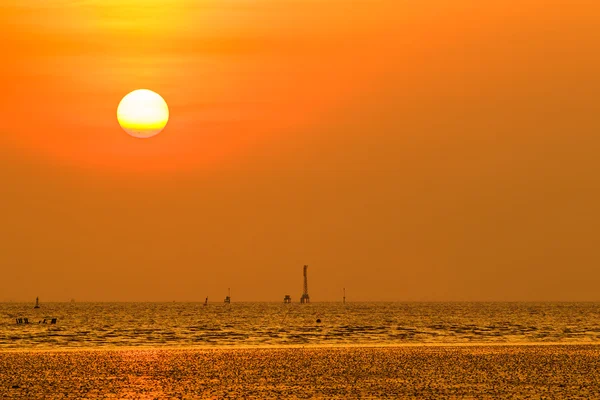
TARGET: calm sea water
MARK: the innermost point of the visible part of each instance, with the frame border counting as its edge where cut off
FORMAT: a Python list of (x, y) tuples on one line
[(93, 325)]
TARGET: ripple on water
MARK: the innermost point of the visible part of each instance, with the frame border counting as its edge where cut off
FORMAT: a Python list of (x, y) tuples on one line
[(260, 324)]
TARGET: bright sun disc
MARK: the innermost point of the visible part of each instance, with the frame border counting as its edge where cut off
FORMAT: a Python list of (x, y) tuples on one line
[(143, 113)]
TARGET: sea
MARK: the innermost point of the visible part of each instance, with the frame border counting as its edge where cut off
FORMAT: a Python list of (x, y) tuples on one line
[(220, 325)]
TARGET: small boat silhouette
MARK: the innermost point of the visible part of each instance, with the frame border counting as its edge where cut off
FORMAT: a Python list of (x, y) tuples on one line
[(37, 302)]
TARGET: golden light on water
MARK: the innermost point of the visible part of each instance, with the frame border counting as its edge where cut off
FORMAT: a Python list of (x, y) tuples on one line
[(143, 113)]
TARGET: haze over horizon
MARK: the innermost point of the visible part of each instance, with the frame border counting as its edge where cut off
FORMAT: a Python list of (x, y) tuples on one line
[(408, 151)]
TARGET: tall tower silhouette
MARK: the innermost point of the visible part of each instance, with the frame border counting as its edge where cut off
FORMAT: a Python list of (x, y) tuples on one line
[(305, 298)]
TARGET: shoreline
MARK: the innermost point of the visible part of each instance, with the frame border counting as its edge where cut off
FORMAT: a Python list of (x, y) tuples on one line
[(307, 347)]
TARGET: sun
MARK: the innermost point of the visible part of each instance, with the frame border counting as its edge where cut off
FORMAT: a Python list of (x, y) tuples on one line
[(143, 113)]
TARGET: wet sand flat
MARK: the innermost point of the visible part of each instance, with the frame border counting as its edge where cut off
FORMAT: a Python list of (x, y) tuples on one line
[(411, 372)]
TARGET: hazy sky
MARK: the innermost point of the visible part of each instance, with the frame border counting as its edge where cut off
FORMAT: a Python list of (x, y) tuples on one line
[(405, 150)]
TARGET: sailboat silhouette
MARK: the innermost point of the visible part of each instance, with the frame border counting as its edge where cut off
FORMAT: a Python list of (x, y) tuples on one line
[(37, 302)]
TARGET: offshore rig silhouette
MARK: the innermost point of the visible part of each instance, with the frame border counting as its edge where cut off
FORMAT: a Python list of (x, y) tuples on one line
[(305, 298)]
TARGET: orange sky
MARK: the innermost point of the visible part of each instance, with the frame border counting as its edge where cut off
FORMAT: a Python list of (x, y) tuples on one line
[(405, 150)]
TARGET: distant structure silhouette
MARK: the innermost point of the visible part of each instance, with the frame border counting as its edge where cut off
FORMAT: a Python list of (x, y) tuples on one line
[(287, 299), (26, 321), (228, 298), (305, 299), (37, 302)]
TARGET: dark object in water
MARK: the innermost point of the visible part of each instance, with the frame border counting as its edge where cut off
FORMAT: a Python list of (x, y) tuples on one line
[(52, 321), (37, 302), (318, 320), (15, 387)]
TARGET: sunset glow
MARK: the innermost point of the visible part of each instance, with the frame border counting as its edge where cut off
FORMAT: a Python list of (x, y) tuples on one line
[(420, 139), (171, 168)]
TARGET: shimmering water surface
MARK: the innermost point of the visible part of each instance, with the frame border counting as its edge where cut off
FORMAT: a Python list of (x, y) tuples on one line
[(92, 325)]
